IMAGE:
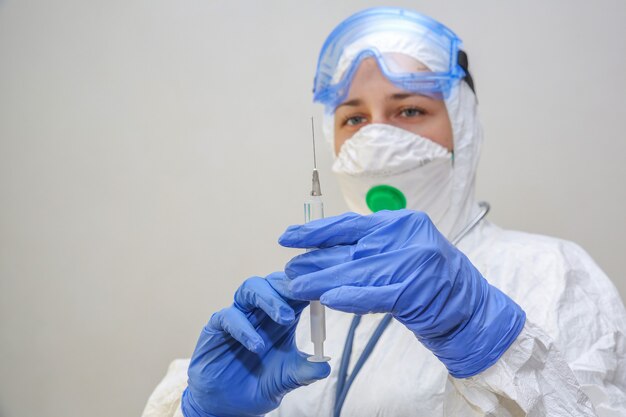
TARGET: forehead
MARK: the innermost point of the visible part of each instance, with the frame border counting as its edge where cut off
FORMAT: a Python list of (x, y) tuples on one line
[(370, 81)]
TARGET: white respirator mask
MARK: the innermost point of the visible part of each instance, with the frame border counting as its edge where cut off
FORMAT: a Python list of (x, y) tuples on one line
[(383, 167)]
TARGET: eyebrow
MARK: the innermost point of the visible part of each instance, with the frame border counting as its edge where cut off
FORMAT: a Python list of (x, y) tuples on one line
[(397, 96), (400, 96), (352, 103)]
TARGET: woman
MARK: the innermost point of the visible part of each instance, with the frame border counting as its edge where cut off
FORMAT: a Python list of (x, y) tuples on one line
[(454, 316)]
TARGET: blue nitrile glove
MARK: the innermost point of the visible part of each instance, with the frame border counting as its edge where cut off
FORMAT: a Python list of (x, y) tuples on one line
[(397, 262), (246, 359)]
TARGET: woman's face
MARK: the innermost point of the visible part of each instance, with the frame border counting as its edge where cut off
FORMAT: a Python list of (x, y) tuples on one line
[(374, 99)]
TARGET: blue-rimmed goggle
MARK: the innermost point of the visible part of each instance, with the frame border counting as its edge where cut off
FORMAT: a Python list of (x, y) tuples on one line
[(402, 42)]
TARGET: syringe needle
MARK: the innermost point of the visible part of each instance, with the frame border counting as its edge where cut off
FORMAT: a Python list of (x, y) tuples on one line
[(313, 135), (316, 189)]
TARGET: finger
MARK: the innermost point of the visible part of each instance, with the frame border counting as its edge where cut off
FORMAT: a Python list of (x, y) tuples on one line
[(363, 300), (234, 322), (305, 372), (373, 271), (345, 229), (316, 260), (280, 282), (293, 236), (256, 293), (354, 273)]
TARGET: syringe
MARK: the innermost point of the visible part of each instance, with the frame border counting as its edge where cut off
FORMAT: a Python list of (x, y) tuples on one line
[(314, 209)]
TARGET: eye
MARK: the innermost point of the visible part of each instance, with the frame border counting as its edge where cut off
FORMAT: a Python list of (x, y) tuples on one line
[(412, 112), (354, 120)]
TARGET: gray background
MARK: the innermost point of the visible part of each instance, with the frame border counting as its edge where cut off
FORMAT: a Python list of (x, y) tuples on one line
[(151, 152)]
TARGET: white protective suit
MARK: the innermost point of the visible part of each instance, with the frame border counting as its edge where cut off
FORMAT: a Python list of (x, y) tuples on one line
[(569, 360)]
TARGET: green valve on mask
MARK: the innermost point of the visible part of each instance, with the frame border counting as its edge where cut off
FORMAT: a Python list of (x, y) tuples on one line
[(385, 197)]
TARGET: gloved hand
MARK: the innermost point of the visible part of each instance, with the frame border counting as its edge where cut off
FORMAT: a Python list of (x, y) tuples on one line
[(397, 262), (246, 359)]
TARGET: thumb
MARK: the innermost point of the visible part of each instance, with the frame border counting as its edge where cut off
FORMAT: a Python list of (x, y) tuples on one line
[(304, 372)]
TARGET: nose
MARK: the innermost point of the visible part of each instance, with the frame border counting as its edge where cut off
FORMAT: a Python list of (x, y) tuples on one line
[(380, 118)]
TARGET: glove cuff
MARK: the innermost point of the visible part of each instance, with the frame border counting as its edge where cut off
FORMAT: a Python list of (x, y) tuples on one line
[(490, 331), (190, 408)]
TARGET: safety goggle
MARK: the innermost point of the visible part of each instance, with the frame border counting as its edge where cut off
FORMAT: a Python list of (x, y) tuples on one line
[(407, 35)]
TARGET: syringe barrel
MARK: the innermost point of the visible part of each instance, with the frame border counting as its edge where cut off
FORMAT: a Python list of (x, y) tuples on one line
[(313, 209)]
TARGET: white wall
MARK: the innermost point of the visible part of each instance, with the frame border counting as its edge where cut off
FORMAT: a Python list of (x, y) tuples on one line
[(151, 152)]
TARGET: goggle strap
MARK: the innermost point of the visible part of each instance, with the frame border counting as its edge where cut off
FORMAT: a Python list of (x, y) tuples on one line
[(463, 62)]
